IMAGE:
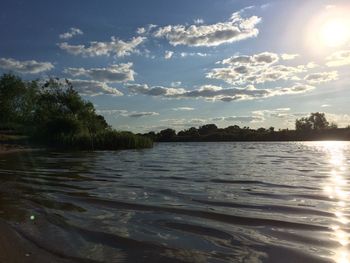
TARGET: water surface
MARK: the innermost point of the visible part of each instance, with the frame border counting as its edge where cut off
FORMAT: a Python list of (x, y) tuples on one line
[(184, 202)]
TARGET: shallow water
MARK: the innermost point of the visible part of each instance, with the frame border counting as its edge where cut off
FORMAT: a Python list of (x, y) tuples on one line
[(184, 202)]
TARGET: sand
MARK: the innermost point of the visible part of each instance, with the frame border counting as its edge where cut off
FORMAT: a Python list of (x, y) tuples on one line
[(16, 249)]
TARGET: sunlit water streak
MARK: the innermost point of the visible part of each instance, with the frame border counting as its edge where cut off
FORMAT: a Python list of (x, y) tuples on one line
[(337, 188), (194, 202)]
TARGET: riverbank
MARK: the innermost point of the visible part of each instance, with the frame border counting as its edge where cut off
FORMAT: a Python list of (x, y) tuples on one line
[(16, 249)]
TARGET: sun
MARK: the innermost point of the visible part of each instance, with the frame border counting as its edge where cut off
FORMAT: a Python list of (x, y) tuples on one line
[(328, 29), (335, 32)]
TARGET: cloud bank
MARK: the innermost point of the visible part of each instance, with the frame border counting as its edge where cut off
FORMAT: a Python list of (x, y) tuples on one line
[(115, 47), (235, 29), (25, 67), (115, 73)]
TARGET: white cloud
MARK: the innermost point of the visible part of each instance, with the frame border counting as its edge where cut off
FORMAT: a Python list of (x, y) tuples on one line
[(26, 67), (73, 31), (141, 30), (274, 113), (115, 73), (168, 54), (261, 59), (125, 113), (289, 56), (316, 78), (240, 119), (145, 30), (154, 91), (183, 109), (183, 123), (198, 21), (235, 29), (175, 84), (256, 69), (242, 75), (115, 47), (212, 92), (326, 105), (342, 120), (191, 54), (339, 58), (93, 88)]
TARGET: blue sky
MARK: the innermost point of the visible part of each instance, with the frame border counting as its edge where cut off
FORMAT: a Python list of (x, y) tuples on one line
[(147, 65)]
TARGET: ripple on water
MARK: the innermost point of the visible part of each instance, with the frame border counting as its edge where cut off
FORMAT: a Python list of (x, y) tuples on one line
[(194, 202)]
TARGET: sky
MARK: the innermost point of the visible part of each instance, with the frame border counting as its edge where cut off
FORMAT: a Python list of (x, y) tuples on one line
[(156, 64)]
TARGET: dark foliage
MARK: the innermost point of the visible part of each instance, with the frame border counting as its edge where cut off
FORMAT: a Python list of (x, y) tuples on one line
[(314, 127), (54, 114)]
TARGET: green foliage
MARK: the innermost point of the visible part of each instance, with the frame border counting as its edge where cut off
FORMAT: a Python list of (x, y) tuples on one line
[(12, 97), (56, 115)]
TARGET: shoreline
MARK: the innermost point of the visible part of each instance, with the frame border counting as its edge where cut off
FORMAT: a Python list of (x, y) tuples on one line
[(16, 249), (7, 148)]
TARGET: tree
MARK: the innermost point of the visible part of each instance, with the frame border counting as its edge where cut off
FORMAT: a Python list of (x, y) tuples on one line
[(303, 124), (207, 129), (167, 134), (12, 93), (316, 121), (333, 125), (232, 129), (191, 132), (61, 110)]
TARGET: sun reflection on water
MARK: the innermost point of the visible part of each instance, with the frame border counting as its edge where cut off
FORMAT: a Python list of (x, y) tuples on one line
[(337, 188)]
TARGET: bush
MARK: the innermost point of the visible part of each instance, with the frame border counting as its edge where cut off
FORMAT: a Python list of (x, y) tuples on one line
[(106, 140)]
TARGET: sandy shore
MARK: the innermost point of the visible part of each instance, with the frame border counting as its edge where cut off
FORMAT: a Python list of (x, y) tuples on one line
[(15, 249)]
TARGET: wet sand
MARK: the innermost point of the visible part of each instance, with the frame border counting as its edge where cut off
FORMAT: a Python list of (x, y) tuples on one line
[(16, 249)]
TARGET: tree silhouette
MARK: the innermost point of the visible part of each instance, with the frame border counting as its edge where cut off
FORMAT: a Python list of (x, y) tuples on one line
[(316, 121)]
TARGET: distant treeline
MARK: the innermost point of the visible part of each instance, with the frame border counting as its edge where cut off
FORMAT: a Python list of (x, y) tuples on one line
[(53, 113), (312, 128)]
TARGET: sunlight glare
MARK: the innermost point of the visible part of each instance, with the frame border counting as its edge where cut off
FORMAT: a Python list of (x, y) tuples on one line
[(335, 32), (328, 29)]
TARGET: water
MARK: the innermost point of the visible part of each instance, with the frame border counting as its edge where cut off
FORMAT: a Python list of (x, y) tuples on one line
[(184, 202)]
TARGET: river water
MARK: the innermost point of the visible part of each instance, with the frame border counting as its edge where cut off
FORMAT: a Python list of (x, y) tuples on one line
[(184, 202)]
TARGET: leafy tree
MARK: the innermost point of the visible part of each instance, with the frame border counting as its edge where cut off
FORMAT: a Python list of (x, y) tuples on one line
[(56, 115), (207, 129), (167, 134), (303, 124), (192, 132), (232, 129), (60, 109), (12, 96), (316, 121)]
